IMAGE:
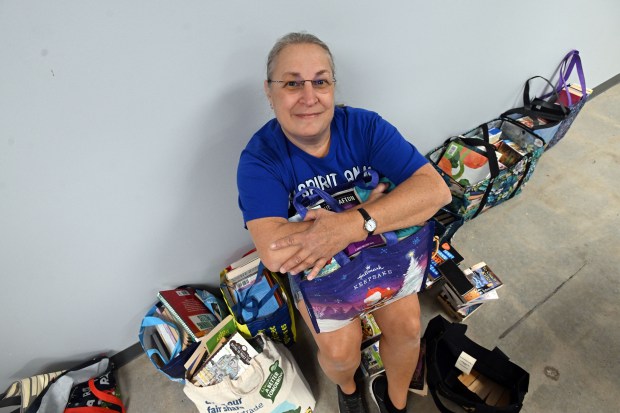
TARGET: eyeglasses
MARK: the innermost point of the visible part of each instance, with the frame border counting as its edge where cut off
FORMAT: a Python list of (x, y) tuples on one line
[(320, 85)]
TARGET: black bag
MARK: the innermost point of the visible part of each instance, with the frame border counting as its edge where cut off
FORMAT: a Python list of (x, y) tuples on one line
[(90, 386), (540, 116), (504, 383)]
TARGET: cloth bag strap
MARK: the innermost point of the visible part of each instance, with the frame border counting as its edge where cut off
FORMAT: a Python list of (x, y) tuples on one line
[(251, 303), (571, 61), (541, 107), (316, 193)]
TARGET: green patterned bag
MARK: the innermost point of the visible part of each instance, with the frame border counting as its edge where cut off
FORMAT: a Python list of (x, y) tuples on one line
[(484, 169)]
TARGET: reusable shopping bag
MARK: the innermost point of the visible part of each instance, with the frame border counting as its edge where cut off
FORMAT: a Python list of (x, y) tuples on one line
[(173, 365), (89, 387), (278, 323), (273, 383), (464, 372), (542, 116), (359, 281), (491, 182), (574, 100)]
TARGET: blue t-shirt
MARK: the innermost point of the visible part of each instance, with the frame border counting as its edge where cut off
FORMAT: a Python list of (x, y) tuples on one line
[(271, 169)]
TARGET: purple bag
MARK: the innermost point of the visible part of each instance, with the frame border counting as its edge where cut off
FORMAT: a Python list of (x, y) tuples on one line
[(371, 279), (571, 61)]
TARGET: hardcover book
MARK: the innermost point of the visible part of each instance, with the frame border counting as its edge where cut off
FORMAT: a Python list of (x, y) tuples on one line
[(188, 311)]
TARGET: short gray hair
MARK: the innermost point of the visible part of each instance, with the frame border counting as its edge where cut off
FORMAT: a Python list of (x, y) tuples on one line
[(296, 38)]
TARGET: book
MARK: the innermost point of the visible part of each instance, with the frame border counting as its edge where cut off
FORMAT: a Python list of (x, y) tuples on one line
[(188, 311), (459, 314), (169, 335), (488, 390), (210, 343), (464, 164), (370, 328), (371, 360), (575, 92), (445, 252), (244, 271), (247, 257), (224, 329), (508, 155), (231, 360), (532, 122), (483, 279), (154, 341)]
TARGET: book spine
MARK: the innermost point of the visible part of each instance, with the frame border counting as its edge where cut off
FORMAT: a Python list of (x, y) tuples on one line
[(178, 318)]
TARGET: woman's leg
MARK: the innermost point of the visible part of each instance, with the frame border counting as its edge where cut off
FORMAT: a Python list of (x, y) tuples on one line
[(339, 351), (399, 346)]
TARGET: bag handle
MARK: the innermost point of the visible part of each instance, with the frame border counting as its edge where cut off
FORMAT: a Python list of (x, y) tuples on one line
[(101, 395), (551, 111), (151, 321), (249, 302), (565, 71), (317, 194)]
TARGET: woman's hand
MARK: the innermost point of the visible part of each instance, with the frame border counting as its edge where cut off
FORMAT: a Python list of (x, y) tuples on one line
[(329, 233)]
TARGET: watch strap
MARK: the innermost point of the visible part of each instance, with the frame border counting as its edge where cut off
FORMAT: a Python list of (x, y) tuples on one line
[(367, 218)]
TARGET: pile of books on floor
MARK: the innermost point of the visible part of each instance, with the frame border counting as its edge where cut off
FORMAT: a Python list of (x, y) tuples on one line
[(445, 252), (466, 291), (371, 359)]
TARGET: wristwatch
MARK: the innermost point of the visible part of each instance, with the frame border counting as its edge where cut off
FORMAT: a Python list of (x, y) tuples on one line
[(370, 225)]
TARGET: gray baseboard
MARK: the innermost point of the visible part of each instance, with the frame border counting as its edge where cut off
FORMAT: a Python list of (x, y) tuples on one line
[(605, 85), (125, 356)]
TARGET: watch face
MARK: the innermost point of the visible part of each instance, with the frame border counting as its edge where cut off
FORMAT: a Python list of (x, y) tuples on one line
[(370, 225)]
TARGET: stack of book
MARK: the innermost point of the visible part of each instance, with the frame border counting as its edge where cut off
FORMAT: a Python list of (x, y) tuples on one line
[(445, 252), (575, 92), (222, 353), (465, 291)]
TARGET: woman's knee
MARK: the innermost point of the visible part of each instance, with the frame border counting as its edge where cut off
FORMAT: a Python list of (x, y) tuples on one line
[(407, 329), (341, 357)]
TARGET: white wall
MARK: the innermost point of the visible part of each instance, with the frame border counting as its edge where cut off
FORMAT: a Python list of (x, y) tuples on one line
[(121, 123)]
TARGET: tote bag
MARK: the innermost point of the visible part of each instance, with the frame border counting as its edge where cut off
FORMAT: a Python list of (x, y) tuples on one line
[(374, 277), (570, 63), (273, 383), (499, 182)]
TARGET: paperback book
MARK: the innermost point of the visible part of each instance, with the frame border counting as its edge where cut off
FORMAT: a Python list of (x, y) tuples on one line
[(370, 329), (188, 311), (471, 286), (371, 360), (445, 252), (231, 360)]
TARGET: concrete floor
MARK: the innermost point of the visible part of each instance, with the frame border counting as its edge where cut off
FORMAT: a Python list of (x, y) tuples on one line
[(557, 249)]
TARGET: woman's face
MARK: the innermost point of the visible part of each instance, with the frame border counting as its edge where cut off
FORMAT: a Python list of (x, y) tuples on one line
[(305, 115)]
